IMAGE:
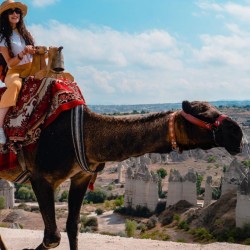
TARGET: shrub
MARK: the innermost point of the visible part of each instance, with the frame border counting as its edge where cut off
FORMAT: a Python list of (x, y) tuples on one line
[(139, 211), (119, 201), (88, 224), (160, 207), (97, 196), (107, 204), (201, 234), (130, 228), (2, 202), (246, 163), (216, 193), (151, 223), (156, 235), (99, 211), (91, 222), (211, 159), (181, 240), (168, 219), (64, 196), (246, 241), (183, 225), (177, 217)]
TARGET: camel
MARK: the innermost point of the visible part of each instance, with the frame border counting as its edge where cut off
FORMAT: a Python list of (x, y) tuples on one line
[(108, 138), (111, 138)]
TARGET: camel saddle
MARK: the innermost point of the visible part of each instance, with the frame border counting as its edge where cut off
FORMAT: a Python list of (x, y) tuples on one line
[(54, 68)]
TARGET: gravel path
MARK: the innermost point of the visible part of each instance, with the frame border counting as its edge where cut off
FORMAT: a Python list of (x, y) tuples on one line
[(20, 239)]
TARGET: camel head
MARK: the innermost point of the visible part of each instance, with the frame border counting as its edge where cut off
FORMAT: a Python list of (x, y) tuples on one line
[(224, 131)]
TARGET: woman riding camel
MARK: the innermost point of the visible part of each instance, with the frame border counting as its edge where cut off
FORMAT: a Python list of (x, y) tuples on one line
[(17, 47)]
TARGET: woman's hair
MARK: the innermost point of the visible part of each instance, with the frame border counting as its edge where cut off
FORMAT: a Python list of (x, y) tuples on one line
[(6, 31)]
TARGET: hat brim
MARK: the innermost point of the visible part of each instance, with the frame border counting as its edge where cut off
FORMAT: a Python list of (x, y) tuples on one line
[(14, 5)]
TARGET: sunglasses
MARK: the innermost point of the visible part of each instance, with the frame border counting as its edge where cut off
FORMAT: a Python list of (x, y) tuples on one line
[(16, 10)]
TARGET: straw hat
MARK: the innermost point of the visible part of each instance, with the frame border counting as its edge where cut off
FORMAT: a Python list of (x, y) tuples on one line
[(11, 4)]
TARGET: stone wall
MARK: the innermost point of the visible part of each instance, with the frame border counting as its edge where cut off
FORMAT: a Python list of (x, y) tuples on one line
[(7, 191), (243, 202), (234, 175), (182, 188), (141, 188)]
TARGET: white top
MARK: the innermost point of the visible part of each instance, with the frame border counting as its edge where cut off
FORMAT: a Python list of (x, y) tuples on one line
[(18, 45)]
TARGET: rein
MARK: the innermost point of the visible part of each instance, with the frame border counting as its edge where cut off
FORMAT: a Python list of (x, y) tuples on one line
[(195, 121)]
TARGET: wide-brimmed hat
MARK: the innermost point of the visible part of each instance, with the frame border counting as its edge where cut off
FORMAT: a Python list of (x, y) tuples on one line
[(11, 4)]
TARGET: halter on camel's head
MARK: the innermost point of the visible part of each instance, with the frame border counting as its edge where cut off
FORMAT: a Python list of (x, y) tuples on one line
[(212, 121)]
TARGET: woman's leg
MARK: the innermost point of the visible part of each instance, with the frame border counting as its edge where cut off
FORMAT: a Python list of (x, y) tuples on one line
[(3, 112), (13, 83)]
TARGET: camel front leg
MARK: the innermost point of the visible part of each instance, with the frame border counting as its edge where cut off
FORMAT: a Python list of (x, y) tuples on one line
[(45, 197), (78, 187)]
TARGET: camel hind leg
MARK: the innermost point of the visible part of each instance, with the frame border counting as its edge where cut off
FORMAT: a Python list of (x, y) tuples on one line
[(45, 197), (78, 187)]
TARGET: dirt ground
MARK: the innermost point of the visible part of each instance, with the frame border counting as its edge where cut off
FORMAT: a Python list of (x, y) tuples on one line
[(20, 239)]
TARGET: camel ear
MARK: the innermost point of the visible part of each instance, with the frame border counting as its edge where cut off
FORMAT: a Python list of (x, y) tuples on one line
[(186, 106)]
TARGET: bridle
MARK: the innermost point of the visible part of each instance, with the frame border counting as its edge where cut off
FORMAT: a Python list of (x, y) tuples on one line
[(196, 121)]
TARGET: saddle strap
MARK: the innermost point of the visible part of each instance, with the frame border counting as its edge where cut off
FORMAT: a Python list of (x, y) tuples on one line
[(25, 174), (77, 123)]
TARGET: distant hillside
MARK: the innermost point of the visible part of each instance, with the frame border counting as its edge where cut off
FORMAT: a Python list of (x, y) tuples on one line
[(157, 107)]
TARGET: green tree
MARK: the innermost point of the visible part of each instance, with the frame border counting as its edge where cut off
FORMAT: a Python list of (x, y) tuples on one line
[(162, 172), (23, 193), (198, 183)]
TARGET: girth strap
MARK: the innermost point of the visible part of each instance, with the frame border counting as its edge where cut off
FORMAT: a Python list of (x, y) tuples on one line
[(77, 123), (24, 176)]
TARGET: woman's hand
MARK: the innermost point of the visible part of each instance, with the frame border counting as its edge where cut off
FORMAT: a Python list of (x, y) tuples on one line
[(29, 49)]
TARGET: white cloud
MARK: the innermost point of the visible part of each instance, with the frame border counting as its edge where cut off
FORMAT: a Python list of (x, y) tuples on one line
[(114, 67), (238, 11), (43, 3)]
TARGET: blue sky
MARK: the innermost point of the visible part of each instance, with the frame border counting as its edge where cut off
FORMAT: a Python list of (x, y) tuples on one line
[(149, 51)]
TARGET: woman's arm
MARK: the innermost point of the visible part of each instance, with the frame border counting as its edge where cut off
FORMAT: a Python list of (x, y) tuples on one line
[(11, 61)]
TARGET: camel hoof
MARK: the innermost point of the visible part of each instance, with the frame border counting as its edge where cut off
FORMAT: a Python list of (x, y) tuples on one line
[(43, 247)]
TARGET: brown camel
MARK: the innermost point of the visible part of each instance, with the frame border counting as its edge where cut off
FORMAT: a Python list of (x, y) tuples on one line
[(107, 138)]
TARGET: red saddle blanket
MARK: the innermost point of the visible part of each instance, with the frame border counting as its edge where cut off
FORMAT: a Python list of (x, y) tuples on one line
[(38, 105)]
